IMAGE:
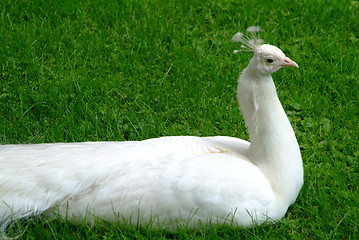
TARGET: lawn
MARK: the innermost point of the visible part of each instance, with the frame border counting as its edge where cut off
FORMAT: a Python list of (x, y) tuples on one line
[(131, 70)]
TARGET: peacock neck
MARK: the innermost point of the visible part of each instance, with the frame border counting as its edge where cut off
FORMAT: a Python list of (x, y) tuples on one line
[(274, 148)]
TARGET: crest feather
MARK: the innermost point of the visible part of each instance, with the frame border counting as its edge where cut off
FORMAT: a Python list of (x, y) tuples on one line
[(251, 42)]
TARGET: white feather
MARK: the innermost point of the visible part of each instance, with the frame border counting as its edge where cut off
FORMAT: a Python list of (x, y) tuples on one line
[(185, 179), (237, 37)]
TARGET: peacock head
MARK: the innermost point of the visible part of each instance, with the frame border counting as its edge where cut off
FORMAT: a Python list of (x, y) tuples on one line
[(267, 58)]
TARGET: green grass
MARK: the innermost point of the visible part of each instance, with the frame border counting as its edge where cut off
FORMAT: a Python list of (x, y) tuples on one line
[(132, 70)]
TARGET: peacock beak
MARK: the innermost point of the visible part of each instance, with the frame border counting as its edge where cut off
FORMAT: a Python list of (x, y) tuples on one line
[(287, 62)]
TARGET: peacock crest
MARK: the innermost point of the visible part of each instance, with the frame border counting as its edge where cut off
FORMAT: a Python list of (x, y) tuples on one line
[(249, 42)]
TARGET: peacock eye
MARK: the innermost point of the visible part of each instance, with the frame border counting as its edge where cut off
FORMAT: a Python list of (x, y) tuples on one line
[(270, 60)]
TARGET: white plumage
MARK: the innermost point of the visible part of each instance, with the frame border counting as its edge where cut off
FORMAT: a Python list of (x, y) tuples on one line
[(168, 180)]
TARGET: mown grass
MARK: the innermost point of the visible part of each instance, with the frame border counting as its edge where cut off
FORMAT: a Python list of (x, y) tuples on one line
[(132, 70)]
